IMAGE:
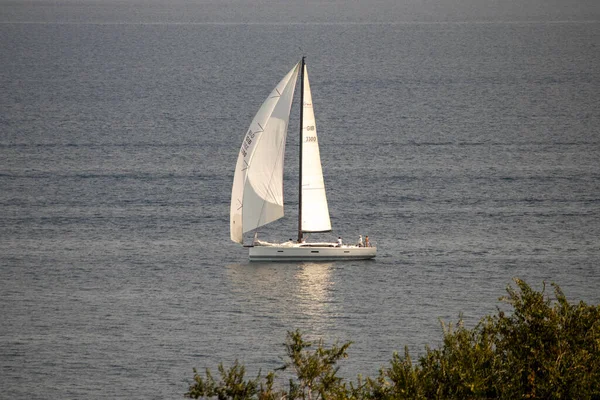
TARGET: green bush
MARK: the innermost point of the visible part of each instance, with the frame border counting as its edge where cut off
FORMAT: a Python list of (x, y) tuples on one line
[(543, 348)]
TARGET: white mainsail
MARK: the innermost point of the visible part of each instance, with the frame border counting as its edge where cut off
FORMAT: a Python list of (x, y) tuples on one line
[(315, 213), (257, 193)]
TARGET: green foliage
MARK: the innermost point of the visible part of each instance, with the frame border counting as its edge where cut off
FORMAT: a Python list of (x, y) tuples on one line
[(316, 371), (544, 348), (547, 350), (232, 385)]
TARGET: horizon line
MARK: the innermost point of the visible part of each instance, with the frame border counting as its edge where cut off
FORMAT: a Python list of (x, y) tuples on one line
[(357, 23)]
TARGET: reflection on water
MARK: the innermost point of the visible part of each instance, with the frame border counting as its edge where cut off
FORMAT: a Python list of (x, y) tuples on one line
[(314, 283), (298, 295)]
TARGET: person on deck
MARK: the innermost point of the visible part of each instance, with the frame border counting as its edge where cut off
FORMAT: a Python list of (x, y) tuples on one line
[(339, 241), (367, 244), (360, 242)]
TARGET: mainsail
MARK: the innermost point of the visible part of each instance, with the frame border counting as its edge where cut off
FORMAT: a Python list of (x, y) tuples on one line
[(257, 193), (315, 213)]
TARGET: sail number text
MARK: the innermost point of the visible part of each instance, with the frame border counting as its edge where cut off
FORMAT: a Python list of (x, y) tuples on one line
[(309, 139), (247, 142)]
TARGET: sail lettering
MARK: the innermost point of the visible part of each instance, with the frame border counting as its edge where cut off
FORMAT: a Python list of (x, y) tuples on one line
[(247, 142), (310, 139), (244, 149)]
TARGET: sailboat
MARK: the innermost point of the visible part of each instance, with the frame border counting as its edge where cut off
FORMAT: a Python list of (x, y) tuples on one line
[(257, 192)]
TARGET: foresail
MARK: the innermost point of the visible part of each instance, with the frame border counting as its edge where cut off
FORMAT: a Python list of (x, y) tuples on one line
[(257, 192), (315, 213)]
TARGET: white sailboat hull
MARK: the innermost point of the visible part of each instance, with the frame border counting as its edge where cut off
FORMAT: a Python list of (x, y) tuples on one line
[(310, 252)]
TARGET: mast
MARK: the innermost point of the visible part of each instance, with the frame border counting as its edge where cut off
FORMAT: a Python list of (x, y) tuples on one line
[(300, 151)]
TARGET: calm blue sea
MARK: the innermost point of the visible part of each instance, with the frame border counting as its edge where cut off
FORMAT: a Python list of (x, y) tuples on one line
[(461, 136)]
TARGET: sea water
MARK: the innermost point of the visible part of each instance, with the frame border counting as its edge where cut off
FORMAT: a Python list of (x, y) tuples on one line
[(463, 140)]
